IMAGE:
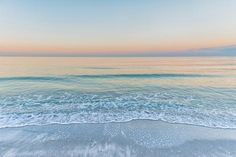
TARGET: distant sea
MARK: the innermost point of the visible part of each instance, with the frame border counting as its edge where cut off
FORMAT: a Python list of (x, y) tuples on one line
[(187, 90)]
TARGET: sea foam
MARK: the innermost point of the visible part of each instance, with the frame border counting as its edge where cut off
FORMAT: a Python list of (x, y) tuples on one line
[(174, 105)]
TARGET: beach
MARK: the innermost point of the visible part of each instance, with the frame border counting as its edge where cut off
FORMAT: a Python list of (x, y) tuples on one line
[(136, 138), (112, 78)]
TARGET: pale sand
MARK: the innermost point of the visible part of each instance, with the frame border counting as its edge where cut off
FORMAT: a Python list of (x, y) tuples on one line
[(142, 138)]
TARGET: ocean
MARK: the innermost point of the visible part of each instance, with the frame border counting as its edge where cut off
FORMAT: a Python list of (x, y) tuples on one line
[(191, 90), (117, 107)]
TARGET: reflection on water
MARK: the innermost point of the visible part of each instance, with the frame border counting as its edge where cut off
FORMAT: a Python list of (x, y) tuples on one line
[(41, 66)]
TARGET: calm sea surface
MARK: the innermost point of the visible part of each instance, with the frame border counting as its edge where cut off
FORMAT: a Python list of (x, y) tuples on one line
[(39, 91)]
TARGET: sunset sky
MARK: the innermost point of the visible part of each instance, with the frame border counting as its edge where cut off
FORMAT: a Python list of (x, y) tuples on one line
[(75, 27)]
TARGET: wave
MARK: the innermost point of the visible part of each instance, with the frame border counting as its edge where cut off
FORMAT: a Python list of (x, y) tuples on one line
[(187, 106), (140, 75), (96, 118), (32, 78), (67, 77)]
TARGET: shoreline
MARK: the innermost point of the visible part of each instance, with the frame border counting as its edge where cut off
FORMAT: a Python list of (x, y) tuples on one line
[(114, 122), (133, 138)]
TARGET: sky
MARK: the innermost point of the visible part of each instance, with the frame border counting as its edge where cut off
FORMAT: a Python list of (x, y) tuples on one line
[(109, 27)]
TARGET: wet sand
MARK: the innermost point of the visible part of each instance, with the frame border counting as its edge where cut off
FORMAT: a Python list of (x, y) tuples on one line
[(141, 138)]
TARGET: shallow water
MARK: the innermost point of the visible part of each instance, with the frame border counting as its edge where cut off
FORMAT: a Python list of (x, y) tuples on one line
[(39, 91)]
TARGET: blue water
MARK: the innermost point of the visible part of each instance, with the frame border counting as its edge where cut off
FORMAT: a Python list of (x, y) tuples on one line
[(40, 91)]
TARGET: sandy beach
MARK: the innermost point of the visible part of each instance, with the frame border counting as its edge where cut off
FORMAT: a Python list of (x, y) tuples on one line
[(136, 138), (117, 78)]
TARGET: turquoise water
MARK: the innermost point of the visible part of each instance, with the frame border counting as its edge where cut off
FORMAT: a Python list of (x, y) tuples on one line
[(40, 91)]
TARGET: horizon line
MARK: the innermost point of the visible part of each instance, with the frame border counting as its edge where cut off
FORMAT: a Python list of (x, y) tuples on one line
[(228, 50)]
